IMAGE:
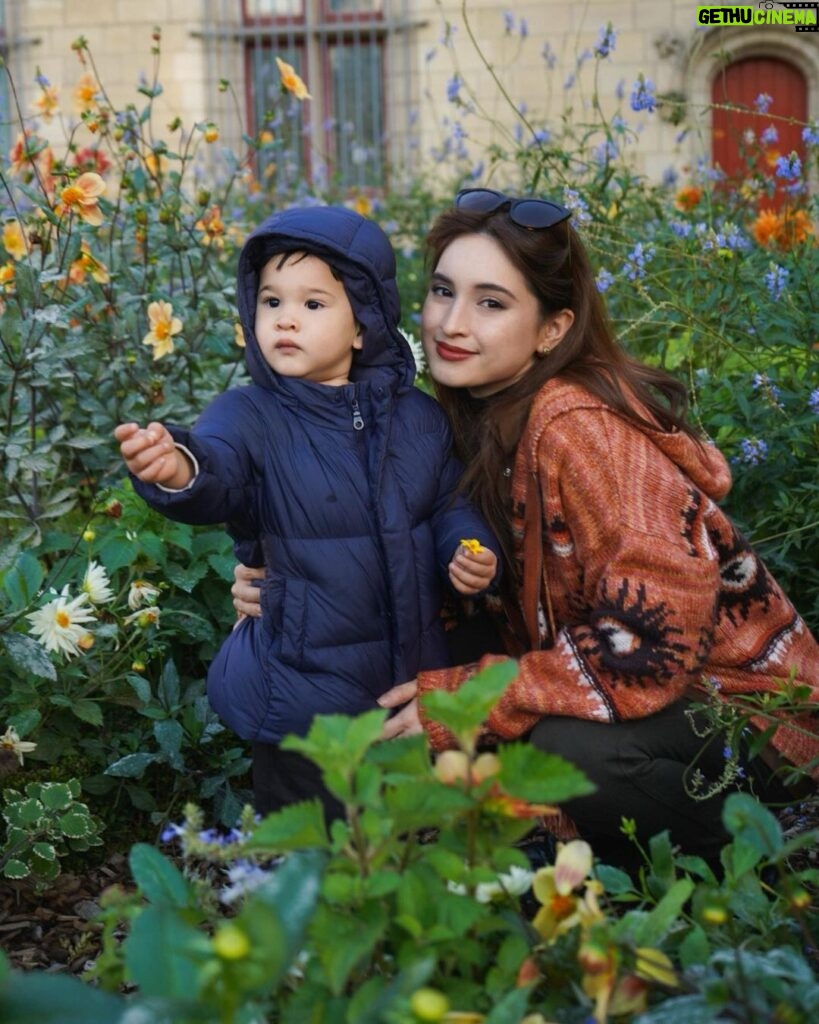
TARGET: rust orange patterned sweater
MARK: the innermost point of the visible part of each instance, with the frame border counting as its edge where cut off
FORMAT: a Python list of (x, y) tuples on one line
[(649, 586)]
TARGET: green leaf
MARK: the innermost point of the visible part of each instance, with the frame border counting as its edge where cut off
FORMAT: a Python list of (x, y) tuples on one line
[(45, 851), (160, 954), (168, 691), (747, 819), (158, 879), (37, 997), (169, 735), (23, 580), (186, 577), (132, 766), (76, 825), (656, 924), (339, 742), (15, 869), (295, 827), (293, 890), (511, 1007), (465, 710), (56, 796), (23, 813), (530, 774), (87, 711), (30, 656), (347, 939)]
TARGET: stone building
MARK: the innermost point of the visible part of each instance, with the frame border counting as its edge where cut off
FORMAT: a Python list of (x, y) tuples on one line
[(395, 82)]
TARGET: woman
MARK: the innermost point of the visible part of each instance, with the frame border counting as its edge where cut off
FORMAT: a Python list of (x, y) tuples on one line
[(627, 588)]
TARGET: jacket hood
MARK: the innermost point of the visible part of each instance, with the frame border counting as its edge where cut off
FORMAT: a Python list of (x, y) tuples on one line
[(360, 252)]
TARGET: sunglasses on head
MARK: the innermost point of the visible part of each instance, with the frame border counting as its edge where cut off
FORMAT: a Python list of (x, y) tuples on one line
[(525, 211)]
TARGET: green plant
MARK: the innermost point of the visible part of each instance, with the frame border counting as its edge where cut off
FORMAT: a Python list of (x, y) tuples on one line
[(44, 823), (378, 921)]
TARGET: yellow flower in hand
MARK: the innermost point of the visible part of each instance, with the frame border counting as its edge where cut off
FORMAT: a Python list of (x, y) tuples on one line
[(474, 547)]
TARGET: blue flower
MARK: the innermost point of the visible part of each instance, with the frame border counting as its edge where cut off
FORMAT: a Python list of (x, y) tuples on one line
[(606, 40), (788, 167), (635, 266), (776, 281), (453, 87), (642, 95), (548, 54), (753, 450), (769, 136), (810, 134), (763, 102), (573, 201), (508, 22), (813, 401), (523, 28), (670, 177), (681, 228), (604, 281)]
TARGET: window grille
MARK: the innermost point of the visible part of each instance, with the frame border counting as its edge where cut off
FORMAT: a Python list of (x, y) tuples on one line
[(355, 58)]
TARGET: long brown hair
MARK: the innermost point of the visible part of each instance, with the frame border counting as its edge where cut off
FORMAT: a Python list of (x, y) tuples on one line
[(556, 268)]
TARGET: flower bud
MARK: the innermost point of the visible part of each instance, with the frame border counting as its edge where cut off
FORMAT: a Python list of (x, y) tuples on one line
[(231, 942), (88, 536), (428, 1004)]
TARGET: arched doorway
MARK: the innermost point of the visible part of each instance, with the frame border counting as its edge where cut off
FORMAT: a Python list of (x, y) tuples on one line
[(739, 84)]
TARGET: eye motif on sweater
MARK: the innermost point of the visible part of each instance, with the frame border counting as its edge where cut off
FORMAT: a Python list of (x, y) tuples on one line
[(633, 639), (694, 528), (745, 580), (559, 538)]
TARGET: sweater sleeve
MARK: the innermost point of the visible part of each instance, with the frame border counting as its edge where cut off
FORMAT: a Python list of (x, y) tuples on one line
[(645, 598)]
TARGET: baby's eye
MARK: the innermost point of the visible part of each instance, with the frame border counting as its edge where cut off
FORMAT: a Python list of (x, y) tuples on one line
[(313, 304), (270, 302)]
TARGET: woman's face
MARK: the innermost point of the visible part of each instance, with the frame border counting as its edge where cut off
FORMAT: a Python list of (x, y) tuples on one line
[(480, 325)]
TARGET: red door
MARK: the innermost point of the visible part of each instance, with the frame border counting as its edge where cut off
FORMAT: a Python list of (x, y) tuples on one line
[(740, 84)]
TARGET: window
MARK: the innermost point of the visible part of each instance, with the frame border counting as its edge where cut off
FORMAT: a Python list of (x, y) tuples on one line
[(338, 48)]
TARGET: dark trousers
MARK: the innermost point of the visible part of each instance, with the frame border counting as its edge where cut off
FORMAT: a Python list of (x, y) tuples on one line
[(643, 769), (282, 777)]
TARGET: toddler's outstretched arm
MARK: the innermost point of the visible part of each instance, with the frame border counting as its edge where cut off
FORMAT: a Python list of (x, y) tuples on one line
[(151, 455)]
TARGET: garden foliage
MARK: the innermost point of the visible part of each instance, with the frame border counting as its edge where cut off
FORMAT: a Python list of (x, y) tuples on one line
[(117, 303)]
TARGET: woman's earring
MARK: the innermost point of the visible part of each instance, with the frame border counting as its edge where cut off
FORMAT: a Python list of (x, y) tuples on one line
[(544, 351)]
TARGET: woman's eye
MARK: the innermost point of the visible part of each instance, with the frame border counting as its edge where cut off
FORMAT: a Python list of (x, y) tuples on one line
[(491, 303), (439, 289)]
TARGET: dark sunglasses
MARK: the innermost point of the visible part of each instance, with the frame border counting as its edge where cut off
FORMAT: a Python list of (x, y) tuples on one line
[(526, 212)]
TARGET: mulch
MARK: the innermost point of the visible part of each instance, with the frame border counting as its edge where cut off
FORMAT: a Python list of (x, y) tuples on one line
[(55, 930)]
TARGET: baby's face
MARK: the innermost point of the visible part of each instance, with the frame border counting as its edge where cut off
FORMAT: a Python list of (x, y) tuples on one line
[(304, 321)]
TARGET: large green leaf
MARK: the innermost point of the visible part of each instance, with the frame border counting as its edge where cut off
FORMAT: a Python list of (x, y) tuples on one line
[(30, 656), (158, 879), (465, 710), (161, 954), (296, 827), (530, 774), (39, 998)]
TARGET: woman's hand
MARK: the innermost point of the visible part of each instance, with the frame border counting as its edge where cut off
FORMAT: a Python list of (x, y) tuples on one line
[(405, 722), (247, 599)]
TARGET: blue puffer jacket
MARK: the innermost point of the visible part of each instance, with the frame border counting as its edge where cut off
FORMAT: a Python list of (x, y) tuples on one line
[(350, 491)]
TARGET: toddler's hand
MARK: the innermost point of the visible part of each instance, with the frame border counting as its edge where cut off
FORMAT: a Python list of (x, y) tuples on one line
[(151, 455), (472, 568)]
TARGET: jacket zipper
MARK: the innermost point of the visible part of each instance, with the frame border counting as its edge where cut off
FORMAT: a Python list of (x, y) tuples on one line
[(358, 419)]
